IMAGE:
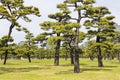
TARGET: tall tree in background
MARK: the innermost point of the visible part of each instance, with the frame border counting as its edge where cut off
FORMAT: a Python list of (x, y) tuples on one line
[(29, 42), (80, 6), (103, 22), (116, 40), (12, 10)]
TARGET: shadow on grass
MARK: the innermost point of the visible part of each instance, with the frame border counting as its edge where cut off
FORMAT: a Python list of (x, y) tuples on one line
[(115, 62), (110, 66), (71, 65), (95, 69), (102, 67), (4, 70), (64, 65), (83, 70), (11, 64), (90, 68), (70, 71)]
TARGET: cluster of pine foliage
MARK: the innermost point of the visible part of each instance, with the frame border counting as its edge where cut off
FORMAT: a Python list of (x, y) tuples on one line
[(62, 37)]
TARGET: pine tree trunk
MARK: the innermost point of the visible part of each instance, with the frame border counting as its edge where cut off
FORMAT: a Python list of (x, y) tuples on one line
[(76, 63), (29, 59), (6, 42), (91, 58), (76, 52), (100, 63), (5, 58), (71, 57), (56, 59)]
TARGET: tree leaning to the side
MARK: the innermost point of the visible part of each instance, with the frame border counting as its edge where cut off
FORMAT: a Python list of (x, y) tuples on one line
[(104, 25), (12, 10)]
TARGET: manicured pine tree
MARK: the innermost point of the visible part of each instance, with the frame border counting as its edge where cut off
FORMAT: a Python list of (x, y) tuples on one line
[(80, 6), (29, 42), (116, 40), (26, 48), (103, 22), (56, 31), (58, 28), (13, 10)]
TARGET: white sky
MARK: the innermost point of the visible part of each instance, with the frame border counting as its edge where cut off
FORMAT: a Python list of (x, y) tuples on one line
[(46, 7)]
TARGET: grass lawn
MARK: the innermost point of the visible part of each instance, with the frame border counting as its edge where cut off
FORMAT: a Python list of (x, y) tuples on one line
[(44, 70)]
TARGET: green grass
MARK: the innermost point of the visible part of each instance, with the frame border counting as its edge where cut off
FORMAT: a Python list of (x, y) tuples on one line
[(44, 70)]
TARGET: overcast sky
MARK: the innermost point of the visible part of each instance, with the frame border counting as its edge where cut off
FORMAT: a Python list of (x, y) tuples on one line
[(47, 7)]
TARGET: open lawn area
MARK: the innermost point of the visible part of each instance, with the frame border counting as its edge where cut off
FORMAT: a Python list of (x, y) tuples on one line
[(44, 70)]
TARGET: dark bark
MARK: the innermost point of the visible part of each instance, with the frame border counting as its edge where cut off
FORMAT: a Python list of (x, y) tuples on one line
[(72, 57), (76, 50), (56, 59), (91, 58), (100, 63), (76, 63), (71, 51), (6, 42), (28, 55), (5, 58)]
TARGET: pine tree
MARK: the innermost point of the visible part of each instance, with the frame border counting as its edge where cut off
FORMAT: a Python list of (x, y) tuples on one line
[(13, 10), (29, 42), (80, 6), (104, 25), (58, 28)]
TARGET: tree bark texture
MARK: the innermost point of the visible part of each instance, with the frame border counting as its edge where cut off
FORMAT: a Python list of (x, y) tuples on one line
[(28, 55), (57, 50), (76, 49), (6, 42), (72, 57), (99, 55), (76, 63)]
